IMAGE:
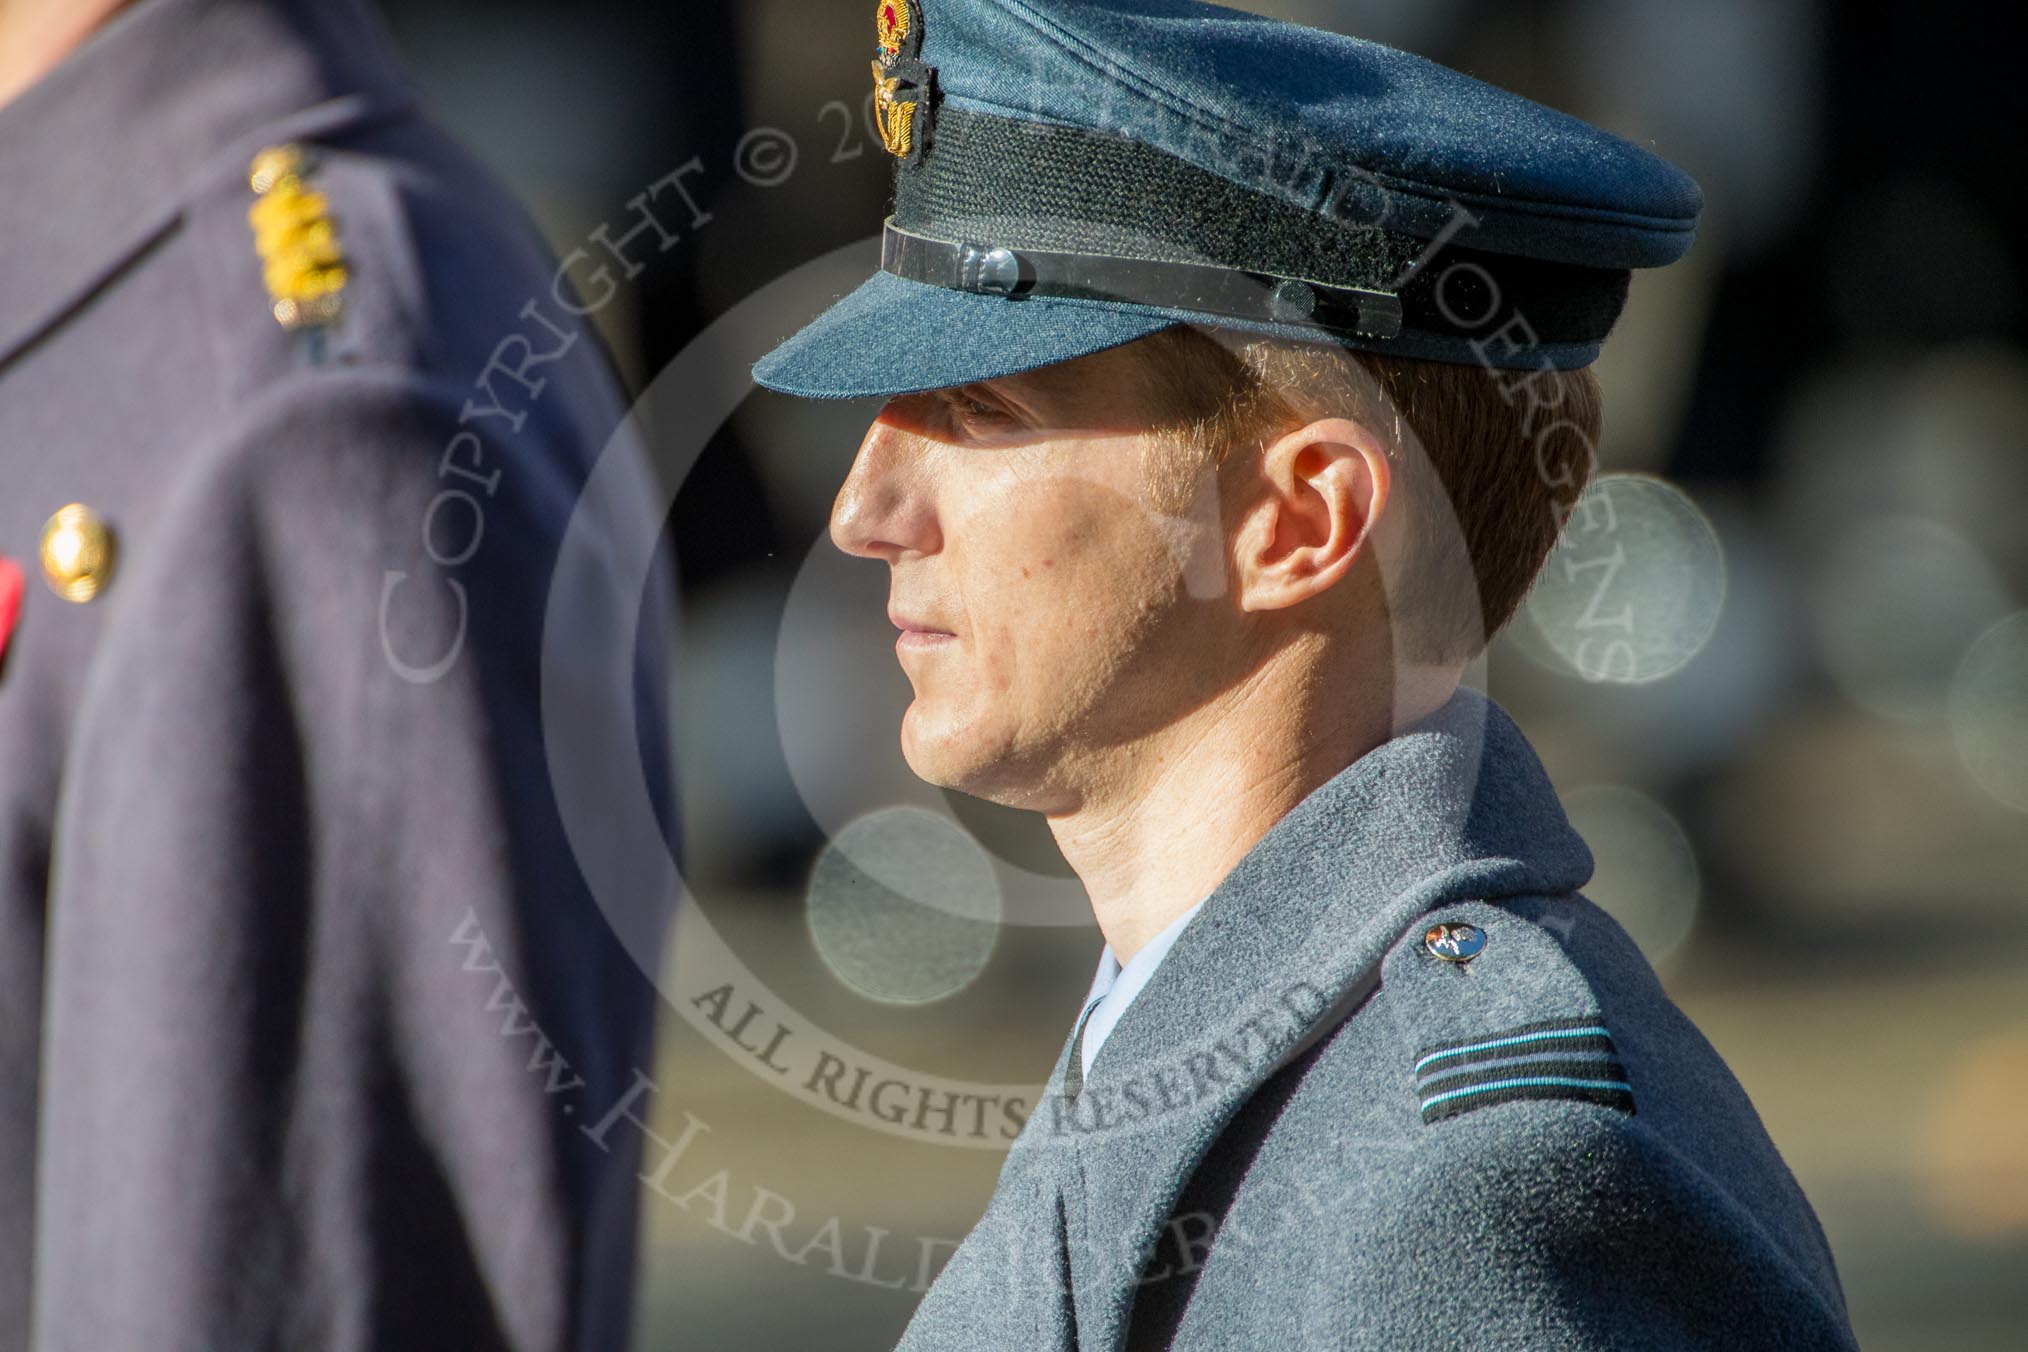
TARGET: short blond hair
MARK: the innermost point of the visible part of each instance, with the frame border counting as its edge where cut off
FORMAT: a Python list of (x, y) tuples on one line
[(1503, 457)]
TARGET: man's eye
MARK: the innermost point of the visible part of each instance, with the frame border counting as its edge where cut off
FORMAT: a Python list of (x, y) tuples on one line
[(976, 409)]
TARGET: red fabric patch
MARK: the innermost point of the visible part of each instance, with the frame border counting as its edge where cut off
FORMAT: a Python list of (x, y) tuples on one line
[(10, 600)]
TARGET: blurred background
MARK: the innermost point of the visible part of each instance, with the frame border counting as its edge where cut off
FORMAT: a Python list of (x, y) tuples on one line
[(1803, 767)]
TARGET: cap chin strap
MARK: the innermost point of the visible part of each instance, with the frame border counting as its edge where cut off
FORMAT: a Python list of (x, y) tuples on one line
[(1231, 293)]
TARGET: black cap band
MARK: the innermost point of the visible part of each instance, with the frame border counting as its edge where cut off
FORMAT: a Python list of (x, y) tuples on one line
[(1003, 205)]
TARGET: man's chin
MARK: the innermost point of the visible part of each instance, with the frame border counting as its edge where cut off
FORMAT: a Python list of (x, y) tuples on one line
[(951, 760), (936, 763)]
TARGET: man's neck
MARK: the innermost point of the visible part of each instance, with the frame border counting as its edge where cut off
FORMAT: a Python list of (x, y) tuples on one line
[(1200, 797)]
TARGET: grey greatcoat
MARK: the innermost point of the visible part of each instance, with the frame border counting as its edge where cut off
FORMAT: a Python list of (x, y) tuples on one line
[(1313, 1130), (290, 929)]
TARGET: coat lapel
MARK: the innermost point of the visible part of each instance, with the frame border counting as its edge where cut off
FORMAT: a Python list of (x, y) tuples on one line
[(1008, 1285), (1456, 806)]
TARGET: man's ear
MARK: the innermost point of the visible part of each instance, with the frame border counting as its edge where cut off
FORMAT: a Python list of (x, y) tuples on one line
[(1319, 492)]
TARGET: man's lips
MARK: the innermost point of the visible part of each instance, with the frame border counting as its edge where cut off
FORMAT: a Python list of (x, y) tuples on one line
[(914, 626), (917, 633)]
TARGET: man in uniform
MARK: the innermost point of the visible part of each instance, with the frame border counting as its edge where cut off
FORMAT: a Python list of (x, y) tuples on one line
[(1236, 393), (294, 411)]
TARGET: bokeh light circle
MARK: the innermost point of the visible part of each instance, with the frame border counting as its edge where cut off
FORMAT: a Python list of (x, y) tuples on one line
[(1989, 711), (1899, 600), (1646, 873), (904, 906), (1635, 585)]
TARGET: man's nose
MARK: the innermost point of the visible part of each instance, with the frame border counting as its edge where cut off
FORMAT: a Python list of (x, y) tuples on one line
[(882, 508)]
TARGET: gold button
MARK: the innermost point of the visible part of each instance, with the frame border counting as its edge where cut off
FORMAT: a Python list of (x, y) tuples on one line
[(273, 165), (77, 552)]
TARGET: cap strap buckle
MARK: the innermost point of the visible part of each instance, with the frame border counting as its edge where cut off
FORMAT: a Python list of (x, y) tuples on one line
[(1233, 293)]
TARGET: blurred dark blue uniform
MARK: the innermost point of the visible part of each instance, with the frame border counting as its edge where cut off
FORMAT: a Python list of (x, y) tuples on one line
[(274, 793)]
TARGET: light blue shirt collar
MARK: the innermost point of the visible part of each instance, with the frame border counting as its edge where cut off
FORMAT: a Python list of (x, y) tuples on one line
[(1114, 987)]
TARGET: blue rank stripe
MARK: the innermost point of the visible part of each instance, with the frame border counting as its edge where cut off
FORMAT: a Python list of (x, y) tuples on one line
[(1515, 1063), (1529, 1082), (1571, 1058), (1595, 1030)]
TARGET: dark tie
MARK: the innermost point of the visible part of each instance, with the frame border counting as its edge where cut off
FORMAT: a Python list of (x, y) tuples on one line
[(1073, 1074)]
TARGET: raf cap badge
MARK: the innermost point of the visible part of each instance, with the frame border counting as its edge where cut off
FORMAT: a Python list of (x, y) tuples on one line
[(902, 84), (301, 263)]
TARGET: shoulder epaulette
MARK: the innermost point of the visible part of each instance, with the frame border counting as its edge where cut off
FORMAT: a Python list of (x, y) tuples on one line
[(302, 264), (1493, 1010)]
